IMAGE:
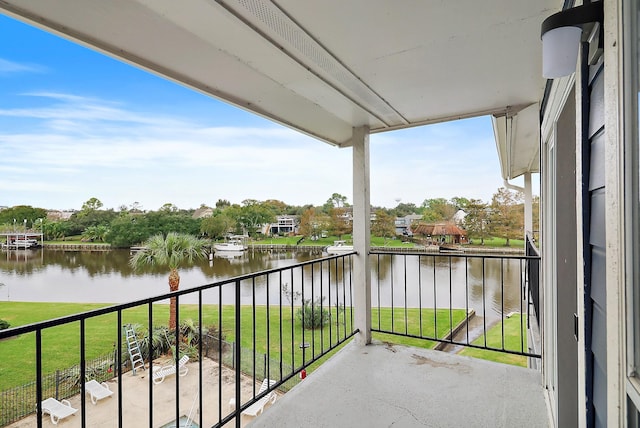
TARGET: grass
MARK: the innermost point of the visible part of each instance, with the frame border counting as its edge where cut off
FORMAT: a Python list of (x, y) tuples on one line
[(515, 328), (498, 242), (61, 345)]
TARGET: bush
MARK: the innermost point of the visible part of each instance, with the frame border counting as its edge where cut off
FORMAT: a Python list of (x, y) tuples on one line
[(312, 314), (163, 339), (4, 325)]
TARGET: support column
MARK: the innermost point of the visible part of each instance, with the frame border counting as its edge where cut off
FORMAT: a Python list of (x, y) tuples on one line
[(528, 205), (361, 235)]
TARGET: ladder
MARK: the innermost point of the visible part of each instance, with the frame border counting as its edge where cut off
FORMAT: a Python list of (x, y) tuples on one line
[(134, 350)]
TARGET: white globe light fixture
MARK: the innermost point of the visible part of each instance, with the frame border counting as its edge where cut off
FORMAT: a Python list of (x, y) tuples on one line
[(561, 34)]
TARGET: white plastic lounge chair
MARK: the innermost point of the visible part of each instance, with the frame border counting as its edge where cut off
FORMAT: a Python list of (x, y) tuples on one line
[(57, 409), (159, 373), (97, 391), (256, 408)]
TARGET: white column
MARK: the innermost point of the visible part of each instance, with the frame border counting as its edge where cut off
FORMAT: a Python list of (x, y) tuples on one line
[(528, 205), (361, 235)]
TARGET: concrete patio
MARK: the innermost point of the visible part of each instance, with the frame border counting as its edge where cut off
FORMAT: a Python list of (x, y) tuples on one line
[(383, 385), (135, 393)]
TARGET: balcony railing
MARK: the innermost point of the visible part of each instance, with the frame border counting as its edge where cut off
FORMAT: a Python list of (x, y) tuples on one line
[(263, 314), (477, 301), (262, 331), (533, 269)]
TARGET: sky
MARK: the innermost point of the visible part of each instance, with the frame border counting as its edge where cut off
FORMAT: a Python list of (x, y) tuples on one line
[(75, 124)]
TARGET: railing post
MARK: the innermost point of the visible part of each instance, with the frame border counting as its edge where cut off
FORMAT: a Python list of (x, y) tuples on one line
[(361, 234), (238, 356)]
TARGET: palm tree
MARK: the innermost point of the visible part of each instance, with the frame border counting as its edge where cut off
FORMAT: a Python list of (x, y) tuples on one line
[(171, 251)]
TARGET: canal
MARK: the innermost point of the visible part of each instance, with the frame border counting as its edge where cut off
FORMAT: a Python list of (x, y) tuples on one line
[(489, 286)]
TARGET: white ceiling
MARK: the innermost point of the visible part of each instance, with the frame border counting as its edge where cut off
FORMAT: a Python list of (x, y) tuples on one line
[(324, 67)]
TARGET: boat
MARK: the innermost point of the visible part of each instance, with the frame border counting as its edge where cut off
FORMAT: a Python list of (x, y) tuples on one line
[(339, 247), (231, 245), (23, 244)]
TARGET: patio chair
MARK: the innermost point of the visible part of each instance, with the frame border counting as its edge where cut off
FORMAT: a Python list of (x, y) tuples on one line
[(57, 409), (159, 373), (97, 391), (256, 408)]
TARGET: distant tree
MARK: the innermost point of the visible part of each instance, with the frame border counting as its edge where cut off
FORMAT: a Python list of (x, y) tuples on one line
[(405, 209), (338, 200), (15, 216), (460, 202), (383, 225), (217, 226), (507, 218), (222, 203), (476, 222), (136, 207), (339, 222), (437, 209), (276, 206), (313, 222), (95, 233), (88, 217), (92, 204), (170, 251), (128, 230), (169, 208), (55, 230), (252, 215)]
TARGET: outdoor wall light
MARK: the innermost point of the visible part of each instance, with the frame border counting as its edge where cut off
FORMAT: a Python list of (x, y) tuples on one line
[(561, 34)]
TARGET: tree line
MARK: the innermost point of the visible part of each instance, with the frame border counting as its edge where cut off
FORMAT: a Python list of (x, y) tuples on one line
[(503, 217)]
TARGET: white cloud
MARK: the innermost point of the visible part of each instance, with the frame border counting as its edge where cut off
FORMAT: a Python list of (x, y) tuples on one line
[(11, 67), (78, 147)]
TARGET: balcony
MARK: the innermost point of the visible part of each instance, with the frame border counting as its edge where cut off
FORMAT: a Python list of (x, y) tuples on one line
[(443, 300)]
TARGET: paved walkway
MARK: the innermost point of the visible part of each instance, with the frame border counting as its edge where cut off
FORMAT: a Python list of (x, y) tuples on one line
[(136, 400)]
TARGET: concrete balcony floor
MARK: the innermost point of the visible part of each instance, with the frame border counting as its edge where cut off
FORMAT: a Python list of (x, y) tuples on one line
[(384, 385)]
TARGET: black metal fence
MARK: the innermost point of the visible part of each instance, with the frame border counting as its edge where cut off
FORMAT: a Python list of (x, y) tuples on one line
[(533, 270), (477, 301), (17, 402), (269, 313)]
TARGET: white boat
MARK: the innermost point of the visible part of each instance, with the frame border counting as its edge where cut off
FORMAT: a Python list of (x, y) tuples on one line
[(339, 247), (232, 245), (23, 244)]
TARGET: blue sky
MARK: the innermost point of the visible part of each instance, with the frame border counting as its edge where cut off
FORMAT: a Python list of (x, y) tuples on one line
[(75, 124)]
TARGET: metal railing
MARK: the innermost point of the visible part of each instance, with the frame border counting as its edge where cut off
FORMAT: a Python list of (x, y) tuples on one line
[(533, 269), (268, 314), (477, 301)]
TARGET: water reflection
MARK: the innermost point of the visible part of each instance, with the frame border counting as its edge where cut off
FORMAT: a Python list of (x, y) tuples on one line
[(489, 286)]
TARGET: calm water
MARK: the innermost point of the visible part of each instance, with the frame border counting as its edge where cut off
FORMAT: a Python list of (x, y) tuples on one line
[(106, 277)]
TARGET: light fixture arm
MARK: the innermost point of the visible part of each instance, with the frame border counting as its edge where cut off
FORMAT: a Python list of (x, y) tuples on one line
[(574, 17)]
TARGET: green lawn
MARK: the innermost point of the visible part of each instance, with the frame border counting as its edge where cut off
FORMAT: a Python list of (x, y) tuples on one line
[(61, 344), (498, 242), (515, 332)]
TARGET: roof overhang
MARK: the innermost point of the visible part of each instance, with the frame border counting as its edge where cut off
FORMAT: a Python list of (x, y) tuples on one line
[(517, 135), (328, 66)]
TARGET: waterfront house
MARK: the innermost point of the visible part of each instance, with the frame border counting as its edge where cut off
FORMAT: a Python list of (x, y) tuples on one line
[(284, 225), (340, 71), (403, 224)]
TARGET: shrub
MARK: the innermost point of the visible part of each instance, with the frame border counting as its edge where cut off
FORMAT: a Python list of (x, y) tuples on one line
[(312, 314), (4, 325)]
